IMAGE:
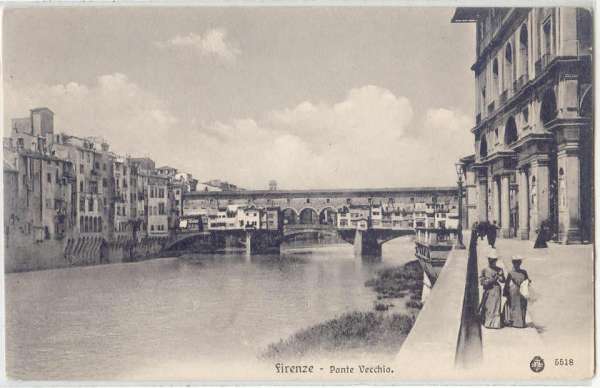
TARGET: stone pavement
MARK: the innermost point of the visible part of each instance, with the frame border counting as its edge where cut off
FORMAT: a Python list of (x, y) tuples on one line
[(560, 319)]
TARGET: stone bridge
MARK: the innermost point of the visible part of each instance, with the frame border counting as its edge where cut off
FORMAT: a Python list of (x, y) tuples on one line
[(367, 243)]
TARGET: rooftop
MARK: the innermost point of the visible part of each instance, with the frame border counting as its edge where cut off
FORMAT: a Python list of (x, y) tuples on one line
[(466, 14), (329, 192)]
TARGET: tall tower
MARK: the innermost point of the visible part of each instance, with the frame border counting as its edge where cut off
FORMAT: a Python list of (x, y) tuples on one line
[(42, 122)]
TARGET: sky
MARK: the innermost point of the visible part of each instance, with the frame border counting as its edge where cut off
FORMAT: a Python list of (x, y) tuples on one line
[(311, 97)]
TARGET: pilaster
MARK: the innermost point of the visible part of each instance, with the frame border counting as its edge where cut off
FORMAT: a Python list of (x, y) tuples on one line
[(523, 182), (504, 206), (569, 206), (539, 195), (496, 203), (482, 194)]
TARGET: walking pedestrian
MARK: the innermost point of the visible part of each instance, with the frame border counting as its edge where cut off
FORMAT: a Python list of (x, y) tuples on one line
[(490, 307), (516, 290), (492, 232)]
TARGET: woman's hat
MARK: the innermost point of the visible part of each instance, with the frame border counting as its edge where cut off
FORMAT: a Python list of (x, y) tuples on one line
[(517, 258), (492, 254)]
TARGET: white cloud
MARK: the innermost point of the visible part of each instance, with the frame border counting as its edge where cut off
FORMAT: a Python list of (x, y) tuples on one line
[(368, 139), (360, 141), (212, 43), (130, 118)]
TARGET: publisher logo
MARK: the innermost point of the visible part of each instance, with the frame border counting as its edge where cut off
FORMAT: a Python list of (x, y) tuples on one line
[(537, 364)]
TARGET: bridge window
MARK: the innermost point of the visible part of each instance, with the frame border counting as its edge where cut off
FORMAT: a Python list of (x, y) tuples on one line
[(309, 216), (328, 200), (307, 200), (289, 217)]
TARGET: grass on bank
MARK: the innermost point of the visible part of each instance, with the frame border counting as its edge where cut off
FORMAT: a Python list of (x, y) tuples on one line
[(367, 331), (380, 332), (397, 282)]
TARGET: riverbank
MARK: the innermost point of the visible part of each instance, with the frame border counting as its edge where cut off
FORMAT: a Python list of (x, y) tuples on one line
[(378, 332)]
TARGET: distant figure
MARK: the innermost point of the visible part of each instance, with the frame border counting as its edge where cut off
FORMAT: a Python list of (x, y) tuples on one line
[(491, 301), (517, 283), (482, 229), (492, 232), (542, 237)]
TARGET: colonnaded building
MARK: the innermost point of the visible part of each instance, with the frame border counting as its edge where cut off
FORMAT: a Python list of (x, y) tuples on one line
[(534, 134)]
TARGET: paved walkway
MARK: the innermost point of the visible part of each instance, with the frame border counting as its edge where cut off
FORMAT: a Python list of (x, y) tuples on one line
[(560, 320)]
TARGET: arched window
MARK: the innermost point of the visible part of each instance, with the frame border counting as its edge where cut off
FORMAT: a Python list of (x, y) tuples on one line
[(495, 77), (508, 66), (510, 131), (483, 148), (524, 50), (548, 110)]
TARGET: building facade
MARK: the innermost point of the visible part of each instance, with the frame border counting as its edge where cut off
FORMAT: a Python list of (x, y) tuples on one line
[(533, 159), (70, 200)]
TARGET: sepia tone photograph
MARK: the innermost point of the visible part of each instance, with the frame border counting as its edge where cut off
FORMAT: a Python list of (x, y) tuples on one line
[(298, 194)]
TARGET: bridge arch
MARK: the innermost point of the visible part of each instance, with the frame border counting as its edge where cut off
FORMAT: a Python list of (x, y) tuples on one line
[(308, 216), (328, 216), (290, 216)]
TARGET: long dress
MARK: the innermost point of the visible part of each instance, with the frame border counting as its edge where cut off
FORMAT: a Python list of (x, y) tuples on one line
[(540, 241), (516, 304), (491, 301)]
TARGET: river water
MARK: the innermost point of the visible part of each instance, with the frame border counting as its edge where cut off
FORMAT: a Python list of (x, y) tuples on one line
[(169, 318)]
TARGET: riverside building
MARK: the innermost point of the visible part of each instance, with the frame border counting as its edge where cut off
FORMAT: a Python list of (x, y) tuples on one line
[(533, 133), (69, 200)]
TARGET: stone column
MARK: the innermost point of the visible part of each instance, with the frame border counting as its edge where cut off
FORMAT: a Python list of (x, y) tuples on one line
[(569, 214), (482, 203), (495, 201), (504, 206), (540, 205), (471, 215), (523, 182)]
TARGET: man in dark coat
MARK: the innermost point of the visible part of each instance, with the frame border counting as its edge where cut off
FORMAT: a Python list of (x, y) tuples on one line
[(492, 232)]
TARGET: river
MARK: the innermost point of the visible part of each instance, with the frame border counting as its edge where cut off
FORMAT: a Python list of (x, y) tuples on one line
[(168, 318)]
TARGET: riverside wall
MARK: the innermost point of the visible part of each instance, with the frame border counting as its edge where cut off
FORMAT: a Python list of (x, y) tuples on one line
[(81, 251), (439, 338)]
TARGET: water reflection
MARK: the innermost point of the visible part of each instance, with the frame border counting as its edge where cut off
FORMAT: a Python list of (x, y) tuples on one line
[(108, 321)]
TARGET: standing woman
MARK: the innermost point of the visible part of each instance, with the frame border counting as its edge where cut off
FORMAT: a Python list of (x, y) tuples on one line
[(516, 302), (491, 301)]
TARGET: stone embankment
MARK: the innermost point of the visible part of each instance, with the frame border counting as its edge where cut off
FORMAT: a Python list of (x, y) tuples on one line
[(50, 254)]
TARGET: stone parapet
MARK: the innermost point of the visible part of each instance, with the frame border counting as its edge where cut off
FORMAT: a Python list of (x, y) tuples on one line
[(433, 339)]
